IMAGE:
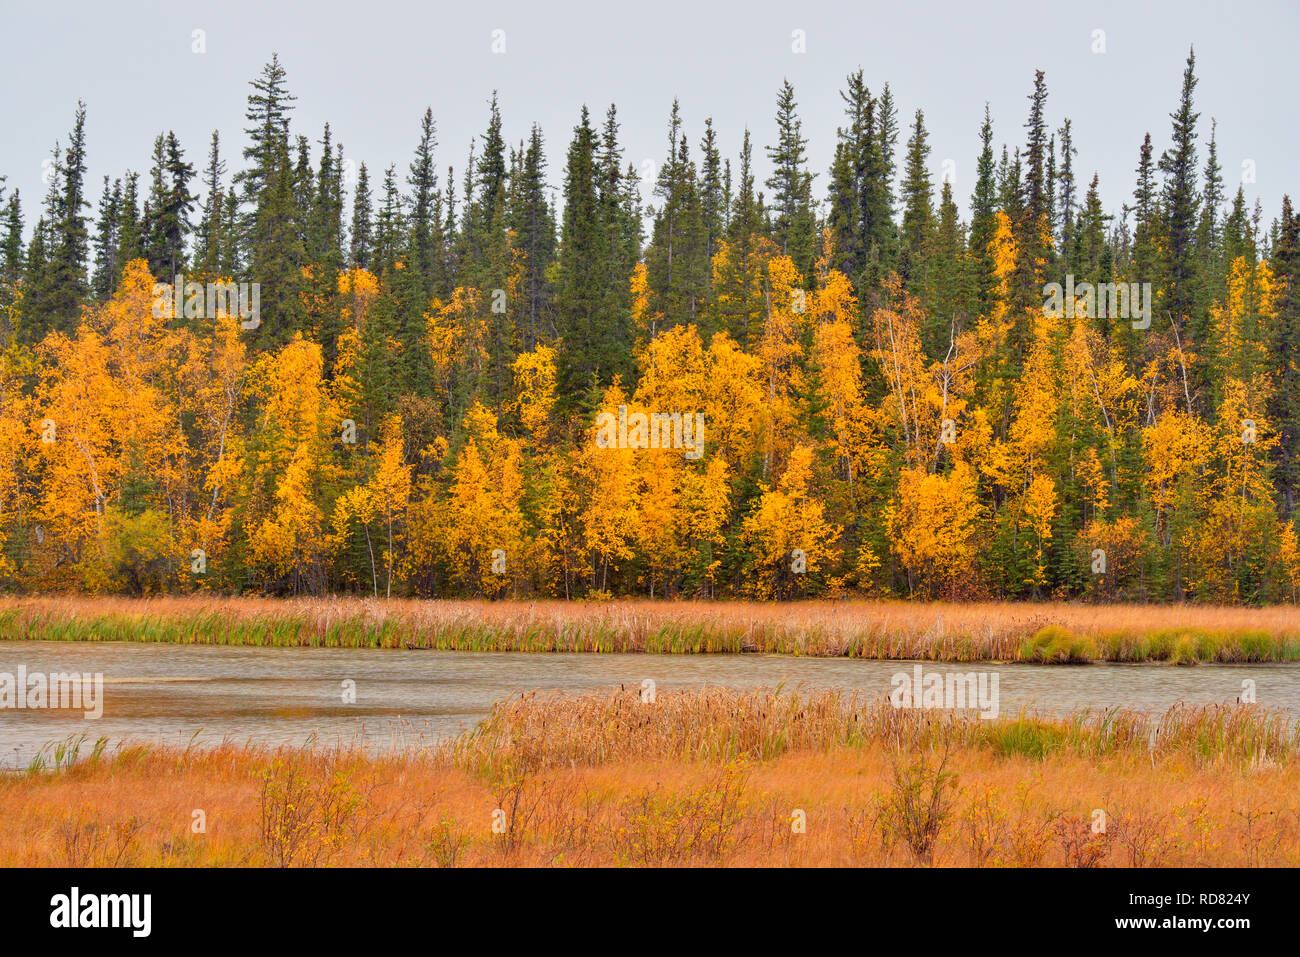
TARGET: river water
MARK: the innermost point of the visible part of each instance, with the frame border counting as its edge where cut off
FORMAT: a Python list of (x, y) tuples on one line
[(167, 693)]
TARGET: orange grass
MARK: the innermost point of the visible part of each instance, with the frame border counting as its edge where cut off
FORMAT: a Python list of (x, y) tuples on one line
[(1048, 633), (609, 780)]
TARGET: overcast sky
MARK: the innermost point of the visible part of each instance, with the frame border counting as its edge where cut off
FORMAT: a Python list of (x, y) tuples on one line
[(369, 69)]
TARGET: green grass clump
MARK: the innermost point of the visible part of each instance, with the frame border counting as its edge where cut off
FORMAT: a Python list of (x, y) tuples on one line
[(1054, 644), (1025, 736)]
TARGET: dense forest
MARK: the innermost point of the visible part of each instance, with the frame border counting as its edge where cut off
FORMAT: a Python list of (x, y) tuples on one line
[(404, 396)]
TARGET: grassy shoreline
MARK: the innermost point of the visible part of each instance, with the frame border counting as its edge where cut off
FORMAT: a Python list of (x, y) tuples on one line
[(713, 777), (1008, 632)]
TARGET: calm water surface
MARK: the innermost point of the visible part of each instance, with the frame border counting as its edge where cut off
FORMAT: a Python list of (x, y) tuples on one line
[(167, 693)]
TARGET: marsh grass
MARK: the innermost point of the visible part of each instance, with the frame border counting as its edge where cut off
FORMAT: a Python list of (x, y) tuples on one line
[(537, 731), (695, 778), (1046, 633)]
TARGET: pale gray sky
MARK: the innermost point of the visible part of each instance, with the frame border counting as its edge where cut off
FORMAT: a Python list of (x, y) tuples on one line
[(371, 68)]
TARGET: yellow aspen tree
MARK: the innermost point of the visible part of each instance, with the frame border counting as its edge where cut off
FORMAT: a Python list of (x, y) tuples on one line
[(733, 402), (661, 527), (782, 354), (934, 529), (705, 495), (1040, 506), (792, 542), (911, 406), (384, 498), (1288, 554), (674, 371), (1238, 518), (610, 515), (214, 378), (640, 301), (483, 540), (108, 425), (1240, 324), (357, 291), (457, 335), (839, 386), (534, 391), (292, 462), (1175, 449)]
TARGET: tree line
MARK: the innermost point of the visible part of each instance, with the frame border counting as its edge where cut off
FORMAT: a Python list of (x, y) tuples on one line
[(889, 408)]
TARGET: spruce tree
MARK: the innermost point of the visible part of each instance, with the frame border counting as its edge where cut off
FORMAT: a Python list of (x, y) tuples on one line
[(11, 264), (713, 199), (269, 106), (107, 268), (325, 222), (1066, 193), (620, 223), (531, 220), (61, 285), (276, 254), (848, 219), (676, 261), (918, 207), (1180, 201), (210, 236), (390, 227), (489, 256), (360, 250), (588, 360), (983, 203), (169, 207), (426, 229), (11, 246), (794, 226), (130, 229), (1212, 270), (1284, 347), (880, 207)]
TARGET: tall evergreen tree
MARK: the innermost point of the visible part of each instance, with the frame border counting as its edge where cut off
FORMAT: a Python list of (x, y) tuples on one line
[(167, 218), (794, 225), (210, 235), (1147, 252), (713, 199), (1212, 271), (848, 217), (881, 208), (424, 203), (325, 223), (532, 222), (918, 207), (56, 301), (676, 260), (130, 229), (1066, 194), (1033, 226), (11, 264), (104, 279), (1284, 347), (269, 106), (272, 221), (390, 227), (361, 236), (11, 246), (619, 216), (983, 203), (1180, 200), (276, 253), (591, 353)]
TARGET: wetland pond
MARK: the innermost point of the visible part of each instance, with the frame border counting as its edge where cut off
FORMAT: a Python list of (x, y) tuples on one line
[(165, 694)]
